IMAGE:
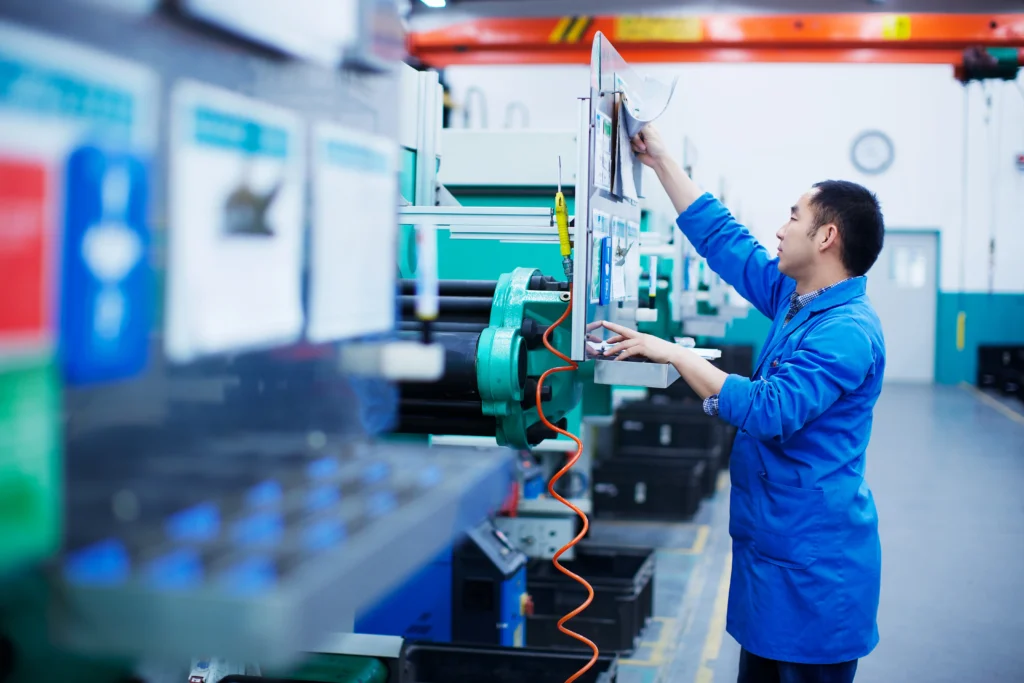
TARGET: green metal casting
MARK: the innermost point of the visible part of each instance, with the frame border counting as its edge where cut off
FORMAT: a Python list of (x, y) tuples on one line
[(498, 358)]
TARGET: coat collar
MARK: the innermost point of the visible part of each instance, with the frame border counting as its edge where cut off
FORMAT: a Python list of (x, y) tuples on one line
[(841, 294)]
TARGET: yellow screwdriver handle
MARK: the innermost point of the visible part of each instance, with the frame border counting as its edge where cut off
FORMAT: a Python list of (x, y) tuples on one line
[(562, 217)]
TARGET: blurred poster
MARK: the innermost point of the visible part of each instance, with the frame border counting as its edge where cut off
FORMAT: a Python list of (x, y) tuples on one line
[(355, 226), (30, 463), (56, 98), (234, 279)]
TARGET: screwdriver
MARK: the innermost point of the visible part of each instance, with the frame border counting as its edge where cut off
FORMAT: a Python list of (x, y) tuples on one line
[(562, 218)]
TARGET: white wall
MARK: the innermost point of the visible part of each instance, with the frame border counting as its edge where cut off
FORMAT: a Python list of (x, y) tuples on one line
[(771, 130)]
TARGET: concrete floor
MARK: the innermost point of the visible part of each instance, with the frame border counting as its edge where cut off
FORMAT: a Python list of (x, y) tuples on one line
[(946, 465)]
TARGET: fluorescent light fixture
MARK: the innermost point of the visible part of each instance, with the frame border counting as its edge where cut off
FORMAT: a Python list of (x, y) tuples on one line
[(436, 4)]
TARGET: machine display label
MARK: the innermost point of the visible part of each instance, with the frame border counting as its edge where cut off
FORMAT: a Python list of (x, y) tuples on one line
[(234, 278), (355, 232)]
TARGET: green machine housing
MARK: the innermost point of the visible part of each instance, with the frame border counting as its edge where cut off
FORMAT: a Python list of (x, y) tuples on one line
[(509, 286), (492, 332)]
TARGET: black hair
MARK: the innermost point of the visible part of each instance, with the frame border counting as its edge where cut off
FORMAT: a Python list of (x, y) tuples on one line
[(855, 212)]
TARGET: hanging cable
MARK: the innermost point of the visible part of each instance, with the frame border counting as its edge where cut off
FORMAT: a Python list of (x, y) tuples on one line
[(961, 317), (570, 366), (995, 173)]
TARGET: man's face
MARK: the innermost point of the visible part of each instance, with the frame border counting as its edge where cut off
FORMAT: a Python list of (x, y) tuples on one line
[(797, 247)]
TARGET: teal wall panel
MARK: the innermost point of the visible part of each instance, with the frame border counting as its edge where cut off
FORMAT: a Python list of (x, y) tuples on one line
[(991, 319)]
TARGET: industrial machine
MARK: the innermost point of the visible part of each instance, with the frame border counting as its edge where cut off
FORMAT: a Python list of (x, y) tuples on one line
[(191, 460)]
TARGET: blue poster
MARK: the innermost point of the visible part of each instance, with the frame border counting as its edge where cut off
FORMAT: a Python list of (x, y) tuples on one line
[(106, 283)]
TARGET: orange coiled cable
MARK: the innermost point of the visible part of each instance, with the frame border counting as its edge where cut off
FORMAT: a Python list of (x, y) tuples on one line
[(551, 489)]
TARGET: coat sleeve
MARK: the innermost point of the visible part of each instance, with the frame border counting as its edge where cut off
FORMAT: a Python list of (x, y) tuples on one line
[(734, 253), (834, 358)]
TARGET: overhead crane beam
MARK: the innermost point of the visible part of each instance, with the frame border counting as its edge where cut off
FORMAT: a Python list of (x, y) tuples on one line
[(863, 38)]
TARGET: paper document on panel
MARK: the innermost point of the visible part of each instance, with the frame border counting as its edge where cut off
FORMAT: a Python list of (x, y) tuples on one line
[(235, 239), (625, 171), (352, 281)]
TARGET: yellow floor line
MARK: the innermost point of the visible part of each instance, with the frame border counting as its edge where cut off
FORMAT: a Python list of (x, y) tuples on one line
[(716, 629), (700, 541), (993, 403)]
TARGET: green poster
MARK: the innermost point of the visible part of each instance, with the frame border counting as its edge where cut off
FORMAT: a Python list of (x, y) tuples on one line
[(30, 472)]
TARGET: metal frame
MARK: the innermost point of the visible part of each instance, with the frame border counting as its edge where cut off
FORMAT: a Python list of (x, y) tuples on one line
[(861, 37), (512, 224)]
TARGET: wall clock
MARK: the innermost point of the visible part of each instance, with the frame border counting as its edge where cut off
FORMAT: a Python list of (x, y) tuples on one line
[(872, 152)]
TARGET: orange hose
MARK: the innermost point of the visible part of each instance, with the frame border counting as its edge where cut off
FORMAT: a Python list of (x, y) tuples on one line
[(551, 489)]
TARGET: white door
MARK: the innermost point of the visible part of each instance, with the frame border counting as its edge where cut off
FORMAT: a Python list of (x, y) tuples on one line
[(902, 287)]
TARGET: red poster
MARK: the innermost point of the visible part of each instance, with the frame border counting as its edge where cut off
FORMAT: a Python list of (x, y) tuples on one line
[(25, 261)]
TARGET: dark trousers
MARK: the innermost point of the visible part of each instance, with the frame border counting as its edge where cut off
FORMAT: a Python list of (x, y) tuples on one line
[(754, 669)]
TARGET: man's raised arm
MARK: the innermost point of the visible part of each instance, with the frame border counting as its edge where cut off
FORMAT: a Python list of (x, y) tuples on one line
[(730, 249)]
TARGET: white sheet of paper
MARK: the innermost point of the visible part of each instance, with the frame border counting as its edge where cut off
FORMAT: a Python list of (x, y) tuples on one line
[(234, 279), (355, 227), (603, 152)]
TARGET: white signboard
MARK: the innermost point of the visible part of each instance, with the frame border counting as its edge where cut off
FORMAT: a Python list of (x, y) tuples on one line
[(234, 279), (355, 227)]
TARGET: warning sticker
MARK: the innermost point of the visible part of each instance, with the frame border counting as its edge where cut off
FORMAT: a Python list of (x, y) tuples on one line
[(659, 29), (896, 27)]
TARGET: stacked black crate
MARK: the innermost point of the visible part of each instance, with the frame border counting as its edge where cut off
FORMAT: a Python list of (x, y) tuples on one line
[(666, 452), (1002, 368)]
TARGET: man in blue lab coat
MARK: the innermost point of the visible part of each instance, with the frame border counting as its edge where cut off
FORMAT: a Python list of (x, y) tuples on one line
[(806, 556)]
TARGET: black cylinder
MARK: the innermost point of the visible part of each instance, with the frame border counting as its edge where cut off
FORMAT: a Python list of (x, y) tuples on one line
[(417, 327), (459, 379), (455, 287), (530, 393), (440, 407), (453, 308), (546, 283), (484, 425), (539, 431)]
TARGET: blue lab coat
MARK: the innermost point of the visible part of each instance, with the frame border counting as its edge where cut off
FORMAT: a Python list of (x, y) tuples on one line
[(806, 555)]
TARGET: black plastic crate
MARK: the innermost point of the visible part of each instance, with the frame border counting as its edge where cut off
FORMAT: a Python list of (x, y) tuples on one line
[(442, 663), (685, 428), (623, 582), (996, 362), (713, 462), (655, 489)]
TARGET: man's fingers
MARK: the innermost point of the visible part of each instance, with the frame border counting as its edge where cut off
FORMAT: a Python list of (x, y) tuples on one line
[(616, 339), (632, 351), (619, 329), (619, 348)]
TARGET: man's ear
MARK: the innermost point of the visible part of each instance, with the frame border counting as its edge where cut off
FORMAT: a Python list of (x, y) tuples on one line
[(828, 235)]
